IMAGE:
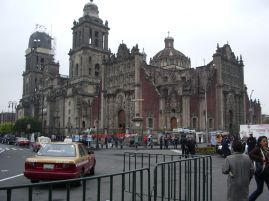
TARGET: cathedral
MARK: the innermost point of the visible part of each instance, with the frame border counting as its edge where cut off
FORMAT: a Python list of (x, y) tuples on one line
[(121, 91)]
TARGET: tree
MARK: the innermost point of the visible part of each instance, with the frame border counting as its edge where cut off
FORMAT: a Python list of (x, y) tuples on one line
[(6, 127), (27, 125), (266, 121)]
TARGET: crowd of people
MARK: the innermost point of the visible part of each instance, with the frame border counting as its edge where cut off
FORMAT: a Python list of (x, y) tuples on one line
[(187, 144), (241, 167)]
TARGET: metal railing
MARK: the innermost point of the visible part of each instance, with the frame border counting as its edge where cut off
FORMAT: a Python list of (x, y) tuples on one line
[(91, 188), (134, 160), (186, 179), (174, 177)]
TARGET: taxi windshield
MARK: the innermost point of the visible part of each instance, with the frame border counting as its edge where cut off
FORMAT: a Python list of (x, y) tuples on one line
[(61, 150)]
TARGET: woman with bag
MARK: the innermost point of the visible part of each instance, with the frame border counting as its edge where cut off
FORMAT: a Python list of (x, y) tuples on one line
[(260, 156)]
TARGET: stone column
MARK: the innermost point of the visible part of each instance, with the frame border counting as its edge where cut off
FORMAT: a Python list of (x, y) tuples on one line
[(186, 111)]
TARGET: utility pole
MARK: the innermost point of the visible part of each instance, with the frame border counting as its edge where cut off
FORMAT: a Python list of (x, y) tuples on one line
[(250, 108), (13, 104), (206, 130)]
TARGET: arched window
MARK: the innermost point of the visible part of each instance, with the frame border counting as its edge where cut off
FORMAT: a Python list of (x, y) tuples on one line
[(122, 119), (194, 122), (165, 79), (97, 70), (76, 70), (83, 124), (150, 122), (210, 123), (165, 92), (173, 123), (96, 41)]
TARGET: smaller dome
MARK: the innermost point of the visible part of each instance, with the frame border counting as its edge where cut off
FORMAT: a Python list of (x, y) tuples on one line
[(40, 39), (91, 9), (169, 57)]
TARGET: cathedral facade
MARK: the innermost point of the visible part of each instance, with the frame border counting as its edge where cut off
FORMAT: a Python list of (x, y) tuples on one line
[(111, 91)]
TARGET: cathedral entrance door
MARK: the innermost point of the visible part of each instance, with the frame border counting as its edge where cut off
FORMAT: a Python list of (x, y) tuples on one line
[(122, 119), (173, 122)]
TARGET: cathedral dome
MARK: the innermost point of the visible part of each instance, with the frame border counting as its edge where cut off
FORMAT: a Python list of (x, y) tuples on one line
[(91, 9), (40, 39), (169, 57)]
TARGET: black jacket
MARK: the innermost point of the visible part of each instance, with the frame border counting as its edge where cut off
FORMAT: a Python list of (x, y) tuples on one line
[(256, 155)]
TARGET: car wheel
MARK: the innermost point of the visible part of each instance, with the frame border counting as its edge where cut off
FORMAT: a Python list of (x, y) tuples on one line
[(81, 175)]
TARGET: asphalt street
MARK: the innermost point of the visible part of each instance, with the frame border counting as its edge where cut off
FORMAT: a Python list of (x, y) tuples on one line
[(108, 161)]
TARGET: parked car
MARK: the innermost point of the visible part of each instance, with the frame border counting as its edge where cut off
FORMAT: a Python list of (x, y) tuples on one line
[(1, 138), (60, 160), (9, 139), (40, 142), (22, 141)]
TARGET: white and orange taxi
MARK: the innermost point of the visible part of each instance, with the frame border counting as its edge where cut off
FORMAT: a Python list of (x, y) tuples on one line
[(60, 160)]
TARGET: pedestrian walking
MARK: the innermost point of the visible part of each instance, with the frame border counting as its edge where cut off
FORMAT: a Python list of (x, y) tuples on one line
[(239, 169), (136, 141), (260, 156), (161, 142), (110, 141), (191, 144), (225, 147), (251, 142), (183, 143), (145, 140), (165, 142), (175, 142)]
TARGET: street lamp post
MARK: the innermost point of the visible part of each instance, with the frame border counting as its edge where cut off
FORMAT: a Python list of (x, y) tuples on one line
[(206, 129), (12, 104), (250, 108), (98, 116), (209, 76)]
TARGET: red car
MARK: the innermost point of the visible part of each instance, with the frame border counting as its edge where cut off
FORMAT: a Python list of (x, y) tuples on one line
[(22, 141), (57, 161)]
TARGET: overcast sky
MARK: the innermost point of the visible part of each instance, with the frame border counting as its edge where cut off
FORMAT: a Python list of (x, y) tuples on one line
[(196, 26)]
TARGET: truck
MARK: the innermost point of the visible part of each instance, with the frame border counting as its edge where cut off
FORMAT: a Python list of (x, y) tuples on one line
[(256, 129)]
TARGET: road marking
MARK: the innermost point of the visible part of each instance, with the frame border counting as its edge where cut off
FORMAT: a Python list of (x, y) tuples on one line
[(11, 177), (177, 151), (9, 149), (4, 170)]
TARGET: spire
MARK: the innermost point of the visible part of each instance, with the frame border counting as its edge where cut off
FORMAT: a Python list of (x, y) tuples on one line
[(241, 60), (169, 41)]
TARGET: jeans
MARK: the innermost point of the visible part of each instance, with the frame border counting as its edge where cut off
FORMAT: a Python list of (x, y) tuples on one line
[(260, 179)]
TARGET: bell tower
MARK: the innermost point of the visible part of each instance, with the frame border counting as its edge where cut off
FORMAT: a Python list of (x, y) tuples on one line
[(90, 44), (38, 54), (39, 59), (89, 50)]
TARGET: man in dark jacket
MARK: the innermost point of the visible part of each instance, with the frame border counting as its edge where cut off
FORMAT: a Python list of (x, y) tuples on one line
[(191, 144), (225, 146), (183, 143), (251, 142)]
